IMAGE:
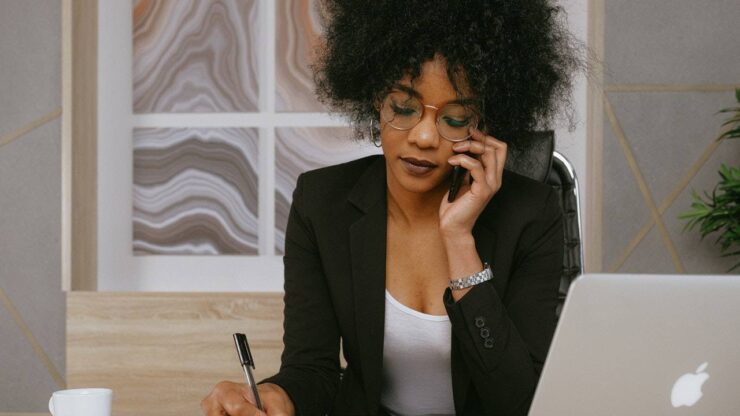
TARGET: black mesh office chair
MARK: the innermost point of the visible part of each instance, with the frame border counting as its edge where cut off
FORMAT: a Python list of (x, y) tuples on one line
[(538, 160)]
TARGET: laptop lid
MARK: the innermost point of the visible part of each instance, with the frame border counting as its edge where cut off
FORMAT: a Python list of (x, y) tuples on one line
[(642, 344)]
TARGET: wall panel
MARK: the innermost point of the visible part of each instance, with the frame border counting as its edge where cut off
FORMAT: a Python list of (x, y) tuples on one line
[(32, 305), (670, 66)]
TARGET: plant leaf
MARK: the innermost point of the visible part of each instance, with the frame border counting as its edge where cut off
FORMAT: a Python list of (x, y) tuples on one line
[(719, 212)]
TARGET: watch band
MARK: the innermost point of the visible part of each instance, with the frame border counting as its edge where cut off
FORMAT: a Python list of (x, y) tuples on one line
[(483, 276)]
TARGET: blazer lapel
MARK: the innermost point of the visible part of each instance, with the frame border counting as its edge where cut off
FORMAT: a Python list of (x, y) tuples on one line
[(368, 258)]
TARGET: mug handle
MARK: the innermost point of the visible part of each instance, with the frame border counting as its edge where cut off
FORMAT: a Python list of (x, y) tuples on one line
[(51, 405)]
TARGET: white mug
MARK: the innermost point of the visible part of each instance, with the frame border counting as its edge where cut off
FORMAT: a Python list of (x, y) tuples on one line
[(81, 402)]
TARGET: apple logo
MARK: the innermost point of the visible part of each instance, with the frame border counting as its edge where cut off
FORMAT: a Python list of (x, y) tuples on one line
[(687, 389)]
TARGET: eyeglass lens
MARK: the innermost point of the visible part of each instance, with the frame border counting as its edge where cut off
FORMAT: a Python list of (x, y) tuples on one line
[(403, 111)]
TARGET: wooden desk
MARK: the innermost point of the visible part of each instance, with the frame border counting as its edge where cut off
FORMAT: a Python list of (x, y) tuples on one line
[(161, 353)]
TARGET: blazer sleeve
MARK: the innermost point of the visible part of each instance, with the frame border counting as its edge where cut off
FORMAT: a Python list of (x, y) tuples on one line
[(504, 338), (309, 370)]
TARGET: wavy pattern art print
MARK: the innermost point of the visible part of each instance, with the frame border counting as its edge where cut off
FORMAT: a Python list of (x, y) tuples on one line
[(195, 191), (298, 30), (301, 149), (195, 56)]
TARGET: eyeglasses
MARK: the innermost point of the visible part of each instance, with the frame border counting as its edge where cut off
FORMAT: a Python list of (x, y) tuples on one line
[(403, 111)]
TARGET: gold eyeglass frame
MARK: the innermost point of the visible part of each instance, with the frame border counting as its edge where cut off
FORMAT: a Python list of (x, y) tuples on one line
[(476, 116)]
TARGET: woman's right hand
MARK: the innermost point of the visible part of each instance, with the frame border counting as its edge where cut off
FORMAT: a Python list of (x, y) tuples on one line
[(235, 399)]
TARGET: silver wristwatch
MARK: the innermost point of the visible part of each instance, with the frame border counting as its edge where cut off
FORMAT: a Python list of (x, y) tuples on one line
[(483, 276)]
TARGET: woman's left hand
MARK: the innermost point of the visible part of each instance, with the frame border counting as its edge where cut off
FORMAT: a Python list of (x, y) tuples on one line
[(457, 218)]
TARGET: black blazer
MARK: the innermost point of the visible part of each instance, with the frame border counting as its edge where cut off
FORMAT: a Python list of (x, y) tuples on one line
[(335, 288)]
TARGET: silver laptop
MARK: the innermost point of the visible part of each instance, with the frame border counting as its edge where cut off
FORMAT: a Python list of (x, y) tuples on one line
[(631, 344)]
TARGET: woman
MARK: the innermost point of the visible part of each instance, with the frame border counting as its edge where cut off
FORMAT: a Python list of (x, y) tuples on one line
[(441, 307)]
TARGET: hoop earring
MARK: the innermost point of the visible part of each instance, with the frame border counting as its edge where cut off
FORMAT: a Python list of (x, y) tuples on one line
[(376, 141)]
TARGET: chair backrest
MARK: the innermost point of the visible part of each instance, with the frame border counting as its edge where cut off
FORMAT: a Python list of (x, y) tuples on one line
[(562, 177), (536, 158), (532, 157)]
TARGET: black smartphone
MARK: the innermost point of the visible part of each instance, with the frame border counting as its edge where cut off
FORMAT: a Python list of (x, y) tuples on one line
[(457, 176), (458, 173)]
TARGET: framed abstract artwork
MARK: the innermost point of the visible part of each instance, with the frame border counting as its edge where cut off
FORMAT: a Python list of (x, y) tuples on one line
[(206, 117)]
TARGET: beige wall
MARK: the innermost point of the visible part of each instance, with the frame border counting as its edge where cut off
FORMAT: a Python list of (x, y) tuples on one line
[(32, 304), (671, 65)]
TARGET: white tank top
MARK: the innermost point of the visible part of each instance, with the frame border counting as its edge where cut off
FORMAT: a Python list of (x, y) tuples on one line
[(417, 379)]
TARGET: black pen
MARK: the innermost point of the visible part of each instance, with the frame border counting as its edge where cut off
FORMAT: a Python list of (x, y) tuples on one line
[(246, 361)]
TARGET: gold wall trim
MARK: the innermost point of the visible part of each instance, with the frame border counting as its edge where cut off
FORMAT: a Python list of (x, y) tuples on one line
[(35, 345), (667, 202), (22, 131), (631, 246), (79, 144), (642, 184), (670, 87)]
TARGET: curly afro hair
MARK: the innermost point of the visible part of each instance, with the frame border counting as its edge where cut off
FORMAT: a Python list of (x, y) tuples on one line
[(516, 57)]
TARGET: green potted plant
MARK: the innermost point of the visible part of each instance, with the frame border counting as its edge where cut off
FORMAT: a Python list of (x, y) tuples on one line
[(721, 211)]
